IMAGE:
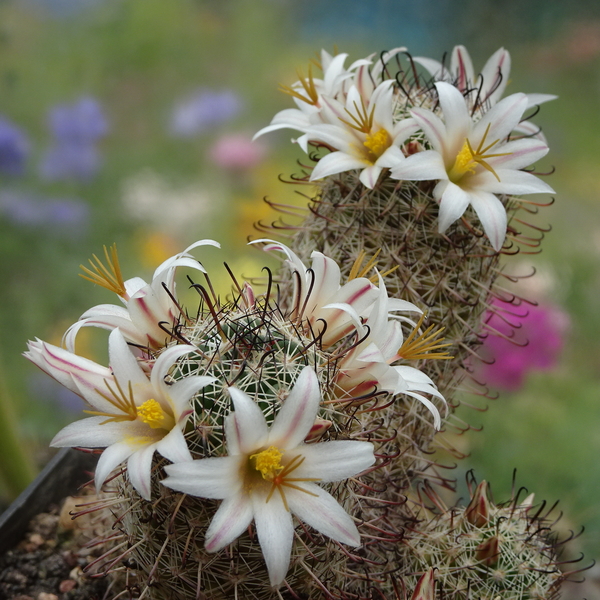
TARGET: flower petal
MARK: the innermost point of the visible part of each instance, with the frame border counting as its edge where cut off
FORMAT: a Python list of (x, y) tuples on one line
[(336, 162), (95, 432), (370, 175), (456, 116), (322, 512), (453, 204), (298, 412), (139, 466), (492, 214), (423, 166), (332, 461), (247, 421), (231, 519), (275, 532), (112, 457), (174, 447), (216, 477), (124, 364)]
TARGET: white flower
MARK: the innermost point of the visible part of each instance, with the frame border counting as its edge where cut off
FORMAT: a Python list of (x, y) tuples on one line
[(485, 89), (369, 364), (133, 416), (312, 96), (473, 160), (364, 135), (307, 94), (150, 310), (271, 473), (318, 294)]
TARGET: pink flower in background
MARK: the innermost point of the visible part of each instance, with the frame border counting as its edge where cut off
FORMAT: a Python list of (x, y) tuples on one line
[(236, 151), (535, 335)]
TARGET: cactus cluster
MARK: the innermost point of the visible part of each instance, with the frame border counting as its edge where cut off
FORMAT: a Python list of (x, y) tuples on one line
[(484, 550), (323, 397)]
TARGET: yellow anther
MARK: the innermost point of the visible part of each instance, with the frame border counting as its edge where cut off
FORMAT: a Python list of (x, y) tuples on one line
[(151, 413), (109, 276), (268, 462), (377, 143)]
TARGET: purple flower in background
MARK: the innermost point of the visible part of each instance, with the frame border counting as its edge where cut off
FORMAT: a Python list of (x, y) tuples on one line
[(66, 160), (62, 216), (83, 121), (203, 110), (76, 129), (14, 148), (535, 338)]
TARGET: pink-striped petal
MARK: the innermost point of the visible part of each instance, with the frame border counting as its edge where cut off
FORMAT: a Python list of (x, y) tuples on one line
[(275, 534), (320, 510), (230, 521), (248, 424), (298, 412)]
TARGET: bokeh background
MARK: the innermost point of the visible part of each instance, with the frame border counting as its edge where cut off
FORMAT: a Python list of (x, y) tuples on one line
[(130, 121)]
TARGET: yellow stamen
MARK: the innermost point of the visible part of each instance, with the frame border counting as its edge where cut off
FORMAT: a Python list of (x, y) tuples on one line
[(151, 413), (423, 346), (110, 276), (120, 401), (268, 462), (377, 143), (358, 270), (308, 84), (281, 480), (363, 120), (468, 159)]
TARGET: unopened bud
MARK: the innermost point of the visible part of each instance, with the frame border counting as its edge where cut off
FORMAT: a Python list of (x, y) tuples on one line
[(478, 511), (425, 588), (317, 431), (488, 551), (248, 295)]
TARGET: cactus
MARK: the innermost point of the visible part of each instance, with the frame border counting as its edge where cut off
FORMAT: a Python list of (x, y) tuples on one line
[(485, 550), (250, 398)]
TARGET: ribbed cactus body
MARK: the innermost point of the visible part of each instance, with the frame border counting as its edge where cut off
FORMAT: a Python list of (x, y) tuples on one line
[(261, 352), (485, 550)]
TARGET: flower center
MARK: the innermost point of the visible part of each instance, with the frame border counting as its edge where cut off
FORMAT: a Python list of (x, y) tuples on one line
[(268, 462), (468, 159), (377, 143), (464, 163), (151, 413)]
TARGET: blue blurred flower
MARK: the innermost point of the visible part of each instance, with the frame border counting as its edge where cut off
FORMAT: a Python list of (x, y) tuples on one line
[(76, 128), (203, 110), (80, 161), (14, 148), (63, 216), (80, 122)]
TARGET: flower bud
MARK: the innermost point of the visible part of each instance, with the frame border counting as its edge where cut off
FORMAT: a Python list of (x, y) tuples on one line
[(425, 588), (478, 511)]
